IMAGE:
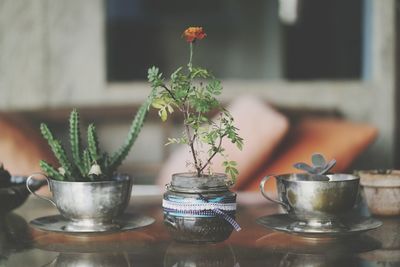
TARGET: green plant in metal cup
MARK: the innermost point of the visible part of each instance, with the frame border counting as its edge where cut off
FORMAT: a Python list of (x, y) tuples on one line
[(100, 193), (90, 163)]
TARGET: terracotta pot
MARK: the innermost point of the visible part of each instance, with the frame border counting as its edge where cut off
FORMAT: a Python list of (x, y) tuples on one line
[(382, 191)]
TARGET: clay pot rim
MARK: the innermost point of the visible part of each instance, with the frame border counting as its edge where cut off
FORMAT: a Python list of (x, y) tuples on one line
[(374, 178)]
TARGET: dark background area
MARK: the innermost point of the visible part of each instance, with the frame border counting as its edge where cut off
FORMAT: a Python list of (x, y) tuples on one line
[(325, 43)]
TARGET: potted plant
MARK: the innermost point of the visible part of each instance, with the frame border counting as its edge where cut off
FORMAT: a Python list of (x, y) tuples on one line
[(315, 202), (381, 189), (87, 189), (198, 205)]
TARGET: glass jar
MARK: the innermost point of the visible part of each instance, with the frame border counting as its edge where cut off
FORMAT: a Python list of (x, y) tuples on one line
[(199, 209)]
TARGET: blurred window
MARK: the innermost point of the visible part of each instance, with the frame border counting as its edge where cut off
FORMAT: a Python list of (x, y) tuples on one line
[(247, 39)]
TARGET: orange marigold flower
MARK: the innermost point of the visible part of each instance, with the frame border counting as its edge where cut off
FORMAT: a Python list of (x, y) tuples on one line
[(192, 34)]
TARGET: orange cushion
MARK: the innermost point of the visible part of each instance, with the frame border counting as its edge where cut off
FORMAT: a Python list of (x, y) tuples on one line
[(334, 138), (262, 129), (21, 146)]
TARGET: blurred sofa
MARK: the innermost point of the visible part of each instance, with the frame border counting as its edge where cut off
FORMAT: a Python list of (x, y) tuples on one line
[(272, 143)]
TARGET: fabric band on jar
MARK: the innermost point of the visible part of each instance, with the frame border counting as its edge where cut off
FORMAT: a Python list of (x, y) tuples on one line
[(203, 207)]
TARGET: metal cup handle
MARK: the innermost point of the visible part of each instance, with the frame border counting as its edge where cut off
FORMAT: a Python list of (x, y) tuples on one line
[(262, 185), (31, 177)]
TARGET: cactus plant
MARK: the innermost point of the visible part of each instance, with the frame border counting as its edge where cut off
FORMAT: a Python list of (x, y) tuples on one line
[(89, 164)]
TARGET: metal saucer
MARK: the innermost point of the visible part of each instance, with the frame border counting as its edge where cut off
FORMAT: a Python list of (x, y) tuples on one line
[(350, 226), (125, 222)]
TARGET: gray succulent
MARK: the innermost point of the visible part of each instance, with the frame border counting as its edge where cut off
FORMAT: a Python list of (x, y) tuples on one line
[(319, 166)]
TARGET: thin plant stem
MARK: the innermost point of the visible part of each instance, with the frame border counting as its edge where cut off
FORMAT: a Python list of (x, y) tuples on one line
[(214, 154), (191, 143), (190, 57), (186, 116)]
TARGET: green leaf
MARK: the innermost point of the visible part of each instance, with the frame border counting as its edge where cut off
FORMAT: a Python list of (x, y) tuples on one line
[(163, 114), (50, 171), (239, 143), (230, 169), (214, 87), (318, 160), (176, 141), (174, 75), (154, 77), (199, 73), (170, 109), (158, 103)]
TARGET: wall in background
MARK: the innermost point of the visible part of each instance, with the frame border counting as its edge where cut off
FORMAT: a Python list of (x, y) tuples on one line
[(53, 57)]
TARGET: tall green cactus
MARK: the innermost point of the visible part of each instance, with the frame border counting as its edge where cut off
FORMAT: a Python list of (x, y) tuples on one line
[(86, 160), (137, 124), (78, 169), (75, 140), (58, 151), (93, 143)]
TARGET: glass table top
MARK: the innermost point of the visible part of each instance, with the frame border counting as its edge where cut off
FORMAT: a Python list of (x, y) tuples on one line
[(255, 245)]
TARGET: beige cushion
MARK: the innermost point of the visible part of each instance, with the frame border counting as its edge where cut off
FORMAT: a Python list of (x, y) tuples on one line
[(259, 124)]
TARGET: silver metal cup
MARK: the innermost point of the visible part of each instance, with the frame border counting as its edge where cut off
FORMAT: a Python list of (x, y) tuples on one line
[(315, 202), (90, 206)]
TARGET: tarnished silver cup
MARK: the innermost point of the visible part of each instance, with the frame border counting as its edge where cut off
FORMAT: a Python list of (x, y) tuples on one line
[(89, 206), (315, 202)]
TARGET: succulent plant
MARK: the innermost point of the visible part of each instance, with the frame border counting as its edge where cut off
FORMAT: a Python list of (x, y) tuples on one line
[(319, 165), (89, 164)]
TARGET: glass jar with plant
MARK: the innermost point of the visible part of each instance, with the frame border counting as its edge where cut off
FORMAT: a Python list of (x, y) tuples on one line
[(199, 194), (86, 187)]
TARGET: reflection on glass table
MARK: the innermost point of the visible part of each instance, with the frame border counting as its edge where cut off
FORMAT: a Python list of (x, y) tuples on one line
[(255, 245), (183, 254)]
